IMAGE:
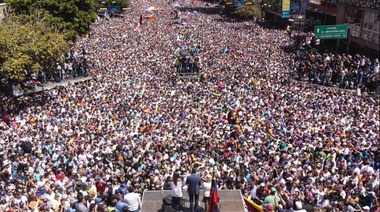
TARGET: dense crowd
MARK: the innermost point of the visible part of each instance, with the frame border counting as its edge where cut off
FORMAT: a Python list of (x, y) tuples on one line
[(333, 69), (90, 146)]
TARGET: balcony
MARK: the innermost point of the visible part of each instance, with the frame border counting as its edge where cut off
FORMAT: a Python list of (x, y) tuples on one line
[(355, 30), (370, 36), (369, 4)]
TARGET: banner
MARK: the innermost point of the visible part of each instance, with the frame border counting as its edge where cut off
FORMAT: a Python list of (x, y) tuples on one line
[(114, 9), (17, 90), (239, 3), (285, 8), (304, 7), (296, 7), (106, 15)]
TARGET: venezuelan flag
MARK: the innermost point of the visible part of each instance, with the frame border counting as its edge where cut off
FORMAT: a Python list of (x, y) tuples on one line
[(251, 206), (214, 197)]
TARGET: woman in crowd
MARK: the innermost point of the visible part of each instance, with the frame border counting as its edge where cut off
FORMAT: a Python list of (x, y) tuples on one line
[(176, 191)]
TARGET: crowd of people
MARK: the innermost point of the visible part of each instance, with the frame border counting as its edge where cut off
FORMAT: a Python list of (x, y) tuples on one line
[(96, 145), (356, 72)]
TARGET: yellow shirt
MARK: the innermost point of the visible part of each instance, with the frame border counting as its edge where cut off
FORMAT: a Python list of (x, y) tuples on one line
[(92, 192)]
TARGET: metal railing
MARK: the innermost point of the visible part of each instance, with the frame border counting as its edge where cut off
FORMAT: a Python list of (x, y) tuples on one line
[(371, 4), (370, 35), (365, 34)]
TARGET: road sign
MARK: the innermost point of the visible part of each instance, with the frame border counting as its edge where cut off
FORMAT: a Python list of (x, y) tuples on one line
[(331, 32), (239, 3)]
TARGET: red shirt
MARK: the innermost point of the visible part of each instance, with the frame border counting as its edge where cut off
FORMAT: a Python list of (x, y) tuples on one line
[(101, 186)]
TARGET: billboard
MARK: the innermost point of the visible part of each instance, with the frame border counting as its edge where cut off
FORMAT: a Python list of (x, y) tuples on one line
[(286, 9)]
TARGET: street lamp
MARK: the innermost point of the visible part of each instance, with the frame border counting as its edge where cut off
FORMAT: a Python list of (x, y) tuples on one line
[(299, 23)]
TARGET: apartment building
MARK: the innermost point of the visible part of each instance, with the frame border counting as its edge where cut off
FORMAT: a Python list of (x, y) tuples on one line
[(363, 20)]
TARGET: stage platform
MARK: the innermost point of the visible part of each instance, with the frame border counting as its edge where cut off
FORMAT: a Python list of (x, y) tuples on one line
[(229, 201)]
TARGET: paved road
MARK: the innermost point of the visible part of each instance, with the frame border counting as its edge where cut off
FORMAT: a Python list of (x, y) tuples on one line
[(51, 85)]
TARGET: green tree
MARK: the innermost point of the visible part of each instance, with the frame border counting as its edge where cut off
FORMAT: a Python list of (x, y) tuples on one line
[(248, 12), (28, 45), (72, 17)]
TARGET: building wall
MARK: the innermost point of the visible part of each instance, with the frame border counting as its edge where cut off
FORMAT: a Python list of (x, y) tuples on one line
[(363, 23), (3, 10)]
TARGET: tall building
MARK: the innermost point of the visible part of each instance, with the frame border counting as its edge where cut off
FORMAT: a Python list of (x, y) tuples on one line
[(297, 12), (322, 12), (363, 20)]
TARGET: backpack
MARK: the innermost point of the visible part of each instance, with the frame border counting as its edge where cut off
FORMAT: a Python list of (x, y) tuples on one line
[(167, 200)]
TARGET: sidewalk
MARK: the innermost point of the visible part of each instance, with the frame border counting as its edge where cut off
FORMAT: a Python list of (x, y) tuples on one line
[(51, 85)]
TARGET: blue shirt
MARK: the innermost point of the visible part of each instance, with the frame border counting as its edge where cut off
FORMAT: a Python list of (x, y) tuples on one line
[(122, 189), (121, 205)]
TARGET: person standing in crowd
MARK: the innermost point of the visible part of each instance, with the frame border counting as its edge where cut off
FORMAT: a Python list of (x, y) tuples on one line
[(272, 199), (80, 205), (206, 185), (133, 200), (176, 191), (193, 182)]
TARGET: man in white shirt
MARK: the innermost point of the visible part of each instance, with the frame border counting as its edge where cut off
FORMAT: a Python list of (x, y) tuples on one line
[(133, 200)]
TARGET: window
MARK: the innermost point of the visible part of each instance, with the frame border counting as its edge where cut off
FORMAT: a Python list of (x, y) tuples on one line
[(372, 4), (353, 16), (370, 20)]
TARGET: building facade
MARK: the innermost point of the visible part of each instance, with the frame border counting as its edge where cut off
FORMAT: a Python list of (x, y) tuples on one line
[(363, 20), (3, 10)]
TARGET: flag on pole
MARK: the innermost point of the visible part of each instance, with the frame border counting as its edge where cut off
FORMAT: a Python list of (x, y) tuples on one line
[(106, 15), (214, 197), (17, 90)]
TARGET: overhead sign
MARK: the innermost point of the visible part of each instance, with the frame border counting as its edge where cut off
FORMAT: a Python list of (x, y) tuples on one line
[(285, 8), (114, 9), (239, 3), (331, 32)]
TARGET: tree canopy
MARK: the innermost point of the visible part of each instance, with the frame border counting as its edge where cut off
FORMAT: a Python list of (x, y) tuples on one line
[(119, 3), (248, 12), (72, 17), (27, 44)]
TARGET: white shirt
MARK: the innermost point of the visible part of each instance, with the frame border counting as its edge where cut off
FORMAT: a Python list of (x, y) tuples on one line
[(176, 190), (206, 189), (133, 201), (376, 69)]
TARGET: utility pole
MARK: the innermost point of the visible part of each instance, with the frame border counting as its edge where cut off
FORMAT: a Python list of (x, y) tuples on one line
[(299, 18), (324, 20)]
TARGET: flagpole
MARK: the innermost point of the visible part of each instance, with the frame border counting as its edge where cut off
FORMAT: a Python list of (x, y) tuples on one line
[(214, 197), (211, 200)]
